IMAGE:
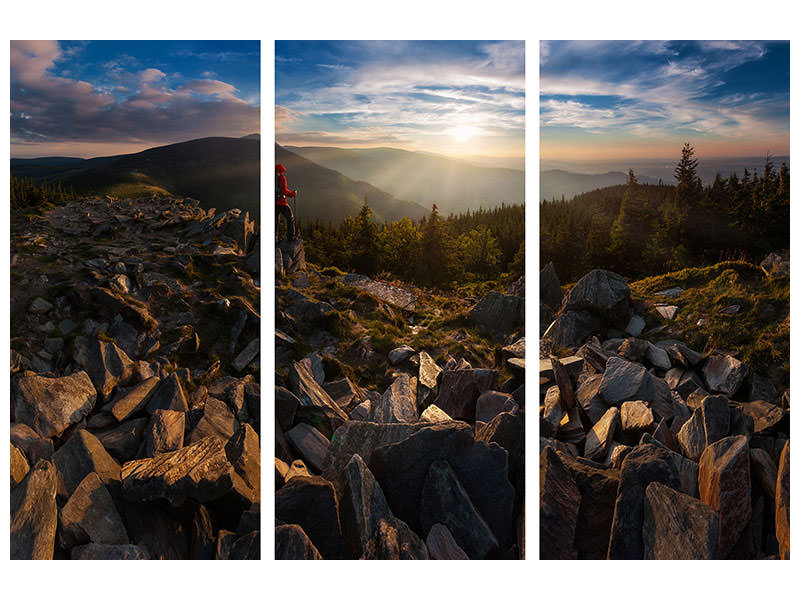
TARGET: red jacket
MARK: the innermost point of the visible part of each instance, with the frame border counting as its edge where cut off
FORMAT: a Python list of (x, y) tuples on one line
[(280, 198)]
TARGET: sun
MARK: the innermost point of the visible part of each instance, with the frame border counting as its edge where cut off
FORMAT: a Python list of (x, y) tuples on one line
[(462, 133)]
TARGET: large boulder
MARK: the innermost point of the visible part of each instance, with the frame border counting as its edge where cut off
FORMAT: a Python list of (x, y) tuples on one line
[(559, 501), (109, 552), (601, 292), (442, 546), (398, 403), (624, 380), (169, 395), (550, 287), (677, 526), (311, 503), (362, 506), (498, 314), (200, 471), (643, 465), (292, 543), (34, 514), (444, 500), (106, 364), (50, 405), (572, 328), (83, 454), (724, 484), (459, 391), (90, 515), (401, 469)]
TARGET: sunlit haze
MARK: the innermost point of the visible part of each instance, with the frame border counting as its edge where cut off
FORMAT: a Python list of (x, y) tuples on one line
[(606, 100), (450, 97)]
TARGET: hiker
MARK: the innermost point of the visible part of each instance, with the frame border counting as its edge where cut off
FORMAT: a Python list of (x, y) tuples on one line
[(281, 204)]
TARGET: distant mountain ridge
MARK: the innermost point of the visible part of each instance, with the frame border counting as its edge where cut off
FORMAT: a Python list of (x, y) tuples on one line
[(426, 179), (329, 196), (555, 183), (220, 172)]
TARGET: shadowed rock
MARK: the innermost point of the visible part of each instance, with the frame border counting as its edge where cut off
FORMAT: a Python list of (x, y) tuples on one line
[(397, 404), (601, 435), (217, 421), (602, 292), (550, 287), (624, 380), (108, 552), (168, 396), (362, 506), (459, 391), (31, 443), (106, 364), (498, 314), (311, 503), (310, 444), (442, 546), (394, 540), (50, 405), (19, 465), (724, 374), (292, 543), (445, 501), (91, 516), (782, 504), (165, 432), (677, 526), (571, 329), (124, 440), (559, 500), (83, 454)]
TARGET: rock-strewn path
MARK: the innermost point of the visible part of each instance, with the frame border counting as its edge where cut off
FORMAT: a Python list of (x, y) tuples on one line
[(653, 450), (134, 393)]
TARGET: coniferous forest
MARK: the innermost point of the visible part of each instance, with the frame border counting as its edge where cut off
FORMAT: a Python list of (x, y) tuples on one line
[(638, 230), (478, 246)]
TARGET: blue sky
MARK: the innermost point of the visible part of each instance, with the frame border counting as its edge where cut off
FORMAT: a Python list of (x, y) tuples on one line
[(452, 97), (98, 98), (605, 99)]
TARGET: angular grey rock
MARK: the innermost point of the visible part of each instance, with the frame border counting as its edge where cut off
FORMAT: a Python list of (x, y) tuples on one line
[(310, 444), (559, 501), (168, 395), (708, 424), (624, 380), (590, 400), (491, 403), (724, 484), (552, 413), (40, 306), (724, 374), (292, 543), (91, 516), (83, 454), (643, 465), (782, 504), (636, 417), (394, 540), (667, 311), (571, 329), (107, 552), (635, 325), (133, 400), (433, 414), (34, 514), (397, 404), (602, 292), (401, 353), (343, 392), (427, 381), (124, 440), (633, 349), (361, 411), (310, 393), (765, 471), (106, 364), (550, 287), (442, 546), (601, 435), (658, 357), (459, 391), (311, 503), (165, 432), (19, 465), (247, 355), (217, 421), (200, 471), (571, 430), (362, 506), (357, 437), (498, 314), (296, 469), (564, 383), (677, 526), (244, 453), (444, 500), (401, 468), (50, 405), (766, 416)]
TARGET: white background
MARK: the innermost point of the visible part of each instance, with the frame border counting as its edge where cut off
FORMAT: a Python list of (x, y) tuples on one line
[(404, 19)]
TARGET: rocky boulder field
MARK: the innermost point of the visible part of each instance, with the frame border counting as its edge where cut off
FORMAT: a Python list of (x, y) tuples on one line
[(650, 449), (390, 444), (135, 402)]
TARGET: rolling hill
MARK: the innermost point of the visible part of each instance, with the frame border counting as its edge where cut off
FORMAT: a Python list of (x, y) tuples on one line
[(555, 183), (426, 179), (220, 172), (329, 196)]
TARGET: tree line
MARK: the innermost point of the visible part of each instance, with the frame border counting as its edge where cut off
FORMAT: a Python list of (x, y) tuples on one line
[(476, 246), (26, 195), (644, 229)]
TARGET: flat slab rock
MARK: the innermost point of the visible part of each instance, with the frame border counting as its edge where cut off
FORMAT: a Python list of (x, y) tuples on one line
[(50, 405), (200, 471)]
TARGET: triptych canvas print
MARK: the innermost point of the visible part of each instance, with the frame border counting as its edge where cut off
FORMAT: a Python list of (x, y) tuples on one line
[(385, 299)]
